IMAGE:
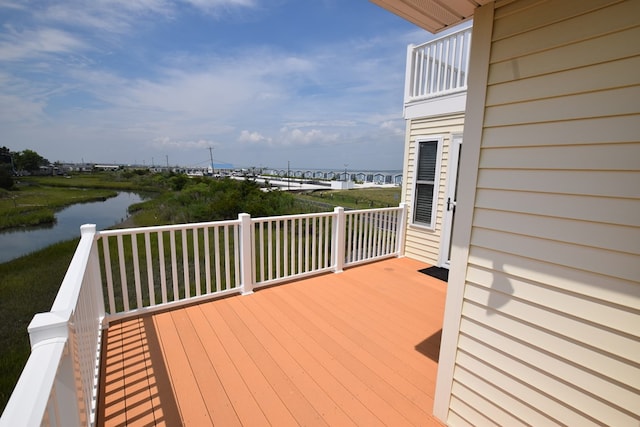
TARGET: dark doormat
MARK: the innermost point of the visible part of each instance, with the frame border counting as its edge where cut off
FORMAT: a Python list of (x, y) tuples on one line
[(437, 272)]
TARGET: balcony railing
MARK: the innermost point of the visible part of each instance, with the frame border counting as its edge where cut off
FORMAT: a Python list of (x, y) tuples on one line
[(439, 67), (151, 268)]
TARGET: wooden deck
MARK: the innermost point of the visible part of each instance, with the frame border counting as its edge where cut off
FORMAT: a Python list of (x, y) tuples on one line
[(357, 348)]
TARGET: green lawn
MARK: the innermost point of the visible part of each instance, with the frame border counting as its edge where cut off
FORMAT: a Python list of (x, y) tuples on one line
[(360, 198)]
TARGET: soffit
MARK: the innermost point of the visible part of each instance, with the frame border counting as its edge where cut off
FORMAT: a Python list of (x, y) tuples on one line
[(432, 15)]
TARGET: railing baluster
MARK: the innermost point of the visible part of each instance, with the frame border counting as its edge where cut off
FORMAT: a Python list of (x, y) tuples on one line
[(147, 248), (285, 252), (306, 245), (136, 269), (445, 64), (293, 247), (421, 86), (207, 260), (349, 234), (301, 240), (395, 229), (314, 249), (123, 274), (454, 50), (236, 245), (185, 264), (226, 257), (278, 225), (108, 274), (261, 253), (387, 230), (321, 239), (270, 249), (369, 234), (196, 260), (217, 260), (174, 266), (161, 264)]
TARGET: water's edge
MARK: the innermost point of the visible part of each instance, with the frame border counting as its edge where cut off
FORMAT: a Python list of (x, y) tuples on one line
[(105, 214)]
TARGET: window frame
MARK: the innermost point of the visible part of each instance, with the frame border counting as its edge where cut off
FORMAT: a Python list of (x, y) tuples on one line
[(419, 140)]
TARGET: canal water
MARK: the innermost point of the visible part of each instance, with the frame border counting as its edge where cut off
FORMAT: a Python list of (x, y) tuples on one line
[(16, 243)]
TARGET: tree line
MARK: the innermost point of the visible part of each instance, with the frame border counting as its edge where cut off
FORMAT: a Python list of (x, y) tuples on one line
[(13, 162)]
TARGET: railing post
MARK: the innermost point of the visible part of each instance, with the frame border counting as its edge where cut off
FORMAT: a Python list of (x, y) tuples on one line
[(410, 72), (402, 229), (93, 273), (339, 232), (246, 258)]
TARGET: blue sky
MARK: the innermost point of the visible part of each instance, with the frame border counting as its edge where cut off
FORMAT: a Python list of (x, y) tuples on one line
[(318, 83)]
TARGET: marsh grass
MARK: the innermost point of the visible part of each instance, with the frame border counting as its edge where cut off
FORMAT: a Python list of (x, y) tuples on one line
[(35, 204), (28, 285)]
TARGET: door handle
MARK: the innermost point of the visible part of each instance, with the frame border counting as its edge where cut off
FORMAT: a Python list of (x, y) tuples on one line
[(451, 205)]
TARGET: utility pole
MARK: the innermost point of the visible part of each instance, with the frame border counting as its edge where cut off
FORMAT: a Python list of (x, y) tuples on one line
[(288, 178), (211, 156)]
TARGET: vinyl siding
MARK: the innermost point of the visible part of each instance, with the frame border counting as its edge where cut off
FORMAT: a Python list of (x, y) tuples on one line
[(550, 326), (421, 243)]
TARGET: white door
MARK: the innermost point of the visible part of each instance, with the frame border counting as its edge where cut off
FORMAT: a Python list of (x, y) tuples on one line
[(450, 200)]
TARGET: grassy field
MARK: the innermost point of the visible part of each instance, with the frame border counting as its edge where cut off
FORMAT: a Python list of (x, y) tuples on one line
[(361, 198), (28, 285)]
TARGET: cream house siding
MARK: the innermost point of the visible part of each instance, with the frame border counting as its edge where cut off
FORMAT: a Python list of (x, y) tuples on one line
[(422, 243), (549, 331)]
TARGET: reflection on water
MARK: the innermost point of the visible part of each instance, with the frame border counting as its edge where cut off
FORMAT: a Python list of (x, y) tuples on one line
[(16, 243)]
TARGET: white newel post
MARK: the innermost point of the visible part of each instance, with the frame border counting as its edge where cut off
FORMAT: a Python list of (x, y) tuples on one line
[(93, 274), (402, 226), (339, 227), (246, 258), (51, 330)]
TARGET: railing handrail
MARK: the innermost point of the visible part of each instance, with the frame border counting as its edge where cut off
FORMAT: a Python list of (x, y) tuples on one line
[(171, 227), (67, 296), (442, 37), (284, 217)]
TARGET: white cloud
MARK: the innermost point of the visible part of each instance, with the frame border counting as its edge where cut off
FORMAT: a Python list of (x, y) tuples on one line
[(394, 126), (215, 5), (17, 109), (9, 4), (253, 137), (121, 16), (19, 45), (300, 137)]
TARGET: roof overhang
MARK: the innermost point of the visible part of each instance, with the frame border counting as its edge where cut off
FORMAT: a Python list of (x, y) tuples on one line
[(432, 15)]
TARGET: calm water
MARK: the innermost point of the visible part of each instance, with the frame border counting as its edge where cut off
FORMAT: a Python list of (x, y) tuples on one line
[(104, 214)]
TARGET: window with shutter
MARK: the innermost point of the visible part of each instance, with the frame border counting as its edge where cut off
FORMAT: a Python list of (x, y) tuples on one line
[(427, 170)]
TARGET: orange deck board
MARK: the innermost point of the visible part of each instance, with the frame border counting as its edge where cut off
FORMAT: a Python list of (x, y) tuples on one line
[(355, 348)]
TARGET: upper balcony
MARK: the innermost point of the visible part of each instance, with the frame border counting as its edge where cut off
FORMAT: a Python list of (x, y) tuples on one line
[(139, 333), (436, 75)]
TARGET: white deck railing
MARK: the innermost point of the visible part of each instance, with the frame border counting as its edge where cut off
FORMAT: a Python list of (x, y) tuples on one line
[(58, 385), (439, 67), (151, 268)]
